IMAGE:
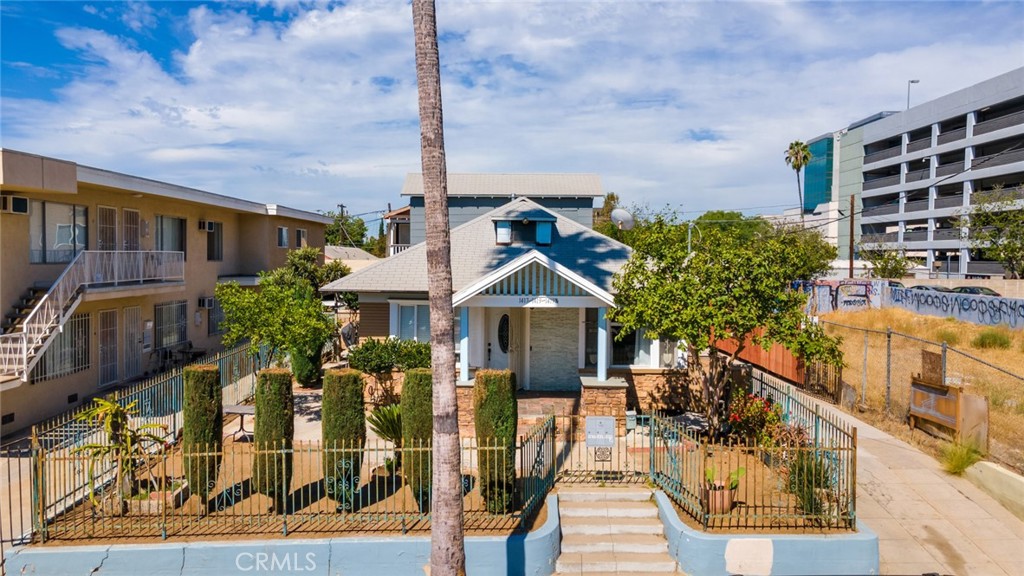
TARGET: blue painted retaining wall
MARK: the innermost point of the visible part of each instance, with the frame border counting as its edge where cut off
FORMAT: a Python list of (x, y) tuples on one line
[(756, 554), (532, 554), (984, 310)]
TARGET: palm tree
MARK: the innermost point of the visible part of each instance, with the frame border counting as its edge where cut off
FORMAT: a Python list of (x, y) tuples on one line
[(797, 156), (447, 546)]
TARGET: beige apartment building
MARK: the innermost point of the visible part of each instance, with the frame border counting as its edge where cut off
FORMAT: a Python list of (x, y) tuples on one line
[(106, 278)]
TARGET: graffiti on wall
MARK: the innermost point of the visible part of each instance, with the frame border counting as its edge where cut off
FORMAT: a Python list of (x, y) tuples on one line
[(846, 295), (987, 310)]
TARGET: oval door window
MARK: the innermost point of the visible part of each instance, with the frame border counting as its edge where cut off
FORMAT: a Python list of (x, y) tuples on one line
[(503, 333)]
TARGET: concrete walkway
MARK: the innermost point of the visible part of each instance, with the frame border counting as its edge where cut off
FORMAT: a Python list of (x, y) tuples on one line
[(927, 520)]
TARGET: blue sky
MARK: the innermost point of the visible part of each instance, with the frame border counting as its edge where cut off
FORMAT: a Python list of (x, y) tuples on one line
[(312, 104)]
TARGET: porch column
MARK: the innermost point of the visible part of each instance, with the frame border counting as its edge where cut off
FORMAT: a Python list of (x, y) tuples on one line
[(464, 344), (602, 344)]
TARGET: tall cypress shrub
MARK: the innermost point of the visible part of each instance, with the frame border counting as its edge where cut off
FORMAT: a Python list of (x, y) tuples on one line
[(417, 428), (496, 415), (272, 439), (203, 419), (344, 433)]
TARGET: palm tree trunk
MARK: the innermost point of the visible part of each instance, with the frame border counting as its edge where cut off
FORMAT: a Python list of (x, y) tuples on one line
[(800, 195), (447, 547)]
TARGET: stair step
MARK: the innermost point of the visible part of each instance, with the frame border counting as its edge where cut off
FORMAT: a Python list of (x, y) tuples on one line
[(619, 543), (608, 509), (614, 562), (602, 527), (589, 494)]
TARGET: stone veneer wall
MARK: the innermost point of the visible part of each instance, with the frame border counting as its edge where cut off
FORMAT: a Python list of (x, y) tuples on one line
[(554, 349)]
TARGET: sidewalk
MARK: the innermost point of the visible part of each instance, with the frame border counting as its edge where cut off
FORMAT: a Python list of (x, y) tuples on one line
[(926, 519)]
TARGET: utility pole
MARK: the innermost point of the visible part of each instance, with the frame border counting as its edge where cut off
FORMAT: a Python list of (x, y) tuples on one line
[(851, 235)]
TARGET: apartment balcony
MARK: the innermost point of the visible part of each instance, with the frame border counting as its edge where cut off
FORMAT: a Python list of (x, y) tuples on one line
[(999, 123), (881, 210), (998, 159), (949, 169), (882, 182), (946, 234), (883, 154), (949, 201), (916, 205), (918, 145), (953, 135), (918, 175), (887, 238), (397, 248)]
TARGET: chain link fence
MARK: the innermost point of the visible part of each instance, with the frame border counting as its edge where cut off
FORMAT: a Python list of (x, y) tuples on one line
[(880, 364)]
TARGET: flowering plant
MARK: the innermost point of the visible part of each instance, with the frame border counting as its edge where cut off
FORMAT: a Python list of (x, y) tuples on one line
[(753, 417)]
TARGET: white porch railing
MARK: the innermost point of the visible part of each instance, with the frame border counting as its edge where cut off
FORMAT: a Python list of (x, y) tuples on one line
[(19, 351), (396, 248)]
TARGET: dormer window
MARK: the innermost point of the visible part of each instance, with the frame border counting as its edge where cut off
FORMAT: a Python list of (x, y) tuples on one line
[(503, 232), (543, 233)]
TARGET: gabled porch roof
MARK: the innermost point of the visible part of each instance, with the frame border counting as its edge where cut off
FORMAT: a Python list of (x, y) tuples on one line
[(531, 276)]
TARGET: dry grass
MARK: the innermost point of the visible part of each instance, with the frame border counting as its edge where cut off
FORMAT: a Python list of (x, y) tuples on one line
[(1004, 391)]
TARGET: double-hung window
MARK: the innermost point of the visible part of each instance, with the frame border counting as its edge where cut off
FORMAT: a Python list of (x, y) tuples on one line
[(300, 238), (413, 322), (69, 352), (170, 323), (215, 242), (215, 319), (282, 236)]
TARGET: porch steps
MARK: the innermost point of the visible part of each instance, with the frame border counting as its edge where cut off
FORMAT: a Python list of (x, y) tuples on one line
[(611, 531)]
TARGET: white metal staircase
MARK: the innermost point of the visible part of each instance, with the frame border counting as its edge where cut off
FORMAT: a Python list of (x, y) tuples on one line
[(21, 350)]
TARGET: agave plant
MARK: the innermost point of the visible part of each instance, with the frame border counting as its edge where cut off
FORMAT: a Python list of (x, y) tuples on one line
[(386, 422), (127, 447)]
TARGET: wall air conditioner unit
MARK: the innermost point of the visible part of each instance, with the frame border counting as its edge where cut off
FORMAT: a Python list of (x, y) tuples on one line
[(14, 204), (205, 226), (210, 226), (206, 302)]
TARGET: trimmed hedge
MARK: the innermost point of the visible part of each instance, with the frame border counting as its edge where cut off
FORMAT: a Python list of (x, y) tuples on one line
[(496, 416), (383, 356), (272, 439), (307, 366), (203, 425), (417, 430), (344, 433)]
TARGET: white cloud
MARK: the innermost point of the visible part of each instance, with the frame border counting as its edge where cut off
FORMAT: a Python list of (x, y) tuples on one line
[(318, 105)]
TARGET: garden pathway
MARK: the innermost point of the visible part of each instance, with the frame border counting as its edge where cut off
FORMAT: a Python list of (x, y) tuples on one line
[(927, 520)]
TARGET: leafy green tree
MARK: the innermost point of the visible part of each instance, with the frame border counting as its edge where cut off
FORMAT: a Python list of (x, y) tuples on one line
[(996, 223), (744, 228), (888, 262), (346, 230), (809, 254), (798, 155), (724, 289)]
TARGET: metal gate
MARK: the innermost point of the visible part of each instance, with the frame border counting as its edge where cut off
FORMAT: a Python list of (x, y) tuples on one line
[(108, 347), (131, 229), (106, 223), (132, 342), (603, 449)]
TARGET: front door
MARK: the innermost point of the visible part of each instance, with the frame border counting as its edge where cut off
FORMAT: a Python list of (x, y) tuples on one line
[(130, 230), (106, 222), (499, 337)]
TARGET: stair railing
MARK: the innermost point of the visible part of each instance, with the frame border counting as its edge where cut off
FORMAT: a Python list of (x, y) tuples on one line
[(89, 268)]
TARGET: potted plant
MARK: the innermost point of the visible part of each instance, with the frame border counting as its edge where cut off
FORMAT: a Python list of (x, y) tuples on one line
[(721, 493)]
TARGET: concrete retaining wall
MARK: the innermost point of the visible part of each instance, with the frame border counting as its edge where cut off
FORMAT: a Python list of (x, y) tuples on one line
[(761, 554), (532, 554)]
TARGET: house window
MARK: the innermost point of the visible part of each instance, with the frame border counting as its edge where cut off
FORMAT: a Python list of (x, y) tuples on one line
[(171, 323), (215, 319), (215, 242), (69, 352), (634, 348), (300, 238), (170, 234), (414, 322), (282, 236), (57, 232)]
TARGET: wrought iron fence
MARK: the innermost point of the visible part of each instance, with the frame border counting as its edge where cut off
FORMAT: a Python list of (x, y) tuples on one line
[(618, 453), (805, 482), (15, 499), (307, 487)]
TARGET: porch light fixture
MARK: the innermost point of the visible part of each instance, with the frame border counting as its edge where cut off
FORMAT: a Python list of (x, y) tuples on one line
[(526, 221)]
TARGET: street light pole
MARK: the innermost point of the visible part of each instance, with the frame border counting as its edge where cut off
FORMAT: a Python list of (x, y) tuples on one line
[(909, 82)]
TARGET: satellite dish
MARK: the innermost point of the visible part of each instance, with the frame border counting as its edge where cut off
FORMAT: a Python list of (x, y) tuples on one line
[(622, 219)]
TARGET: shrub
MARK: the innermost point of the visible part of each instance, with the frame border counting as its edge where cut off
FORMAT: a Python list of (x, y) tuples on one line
[(752, 417), (992, 338), (496, 416), (410, 354), (307, 365), (344, 433), (203, 423), (417, 427), (949, 337), (272, 439), (808, 473), (386, 422), (373, 356), (958, 457)]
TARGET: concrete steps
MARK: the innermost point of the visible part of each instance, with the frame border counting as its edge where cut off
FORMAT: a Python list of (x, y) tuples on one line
[(611, 531)]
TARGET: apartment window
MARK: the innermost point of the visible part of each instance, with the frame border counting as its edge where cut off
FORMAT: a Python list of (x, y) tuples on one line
[(215, 242), (282, 236), (170, 234), (57, 232), (216, 318), (300, 238), (414, 322), (170, 323), (69, 352)]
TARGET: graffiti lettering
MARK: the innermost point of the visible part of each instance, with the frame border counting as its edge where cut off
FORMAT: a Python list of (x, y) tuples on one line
[(988, 310)]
